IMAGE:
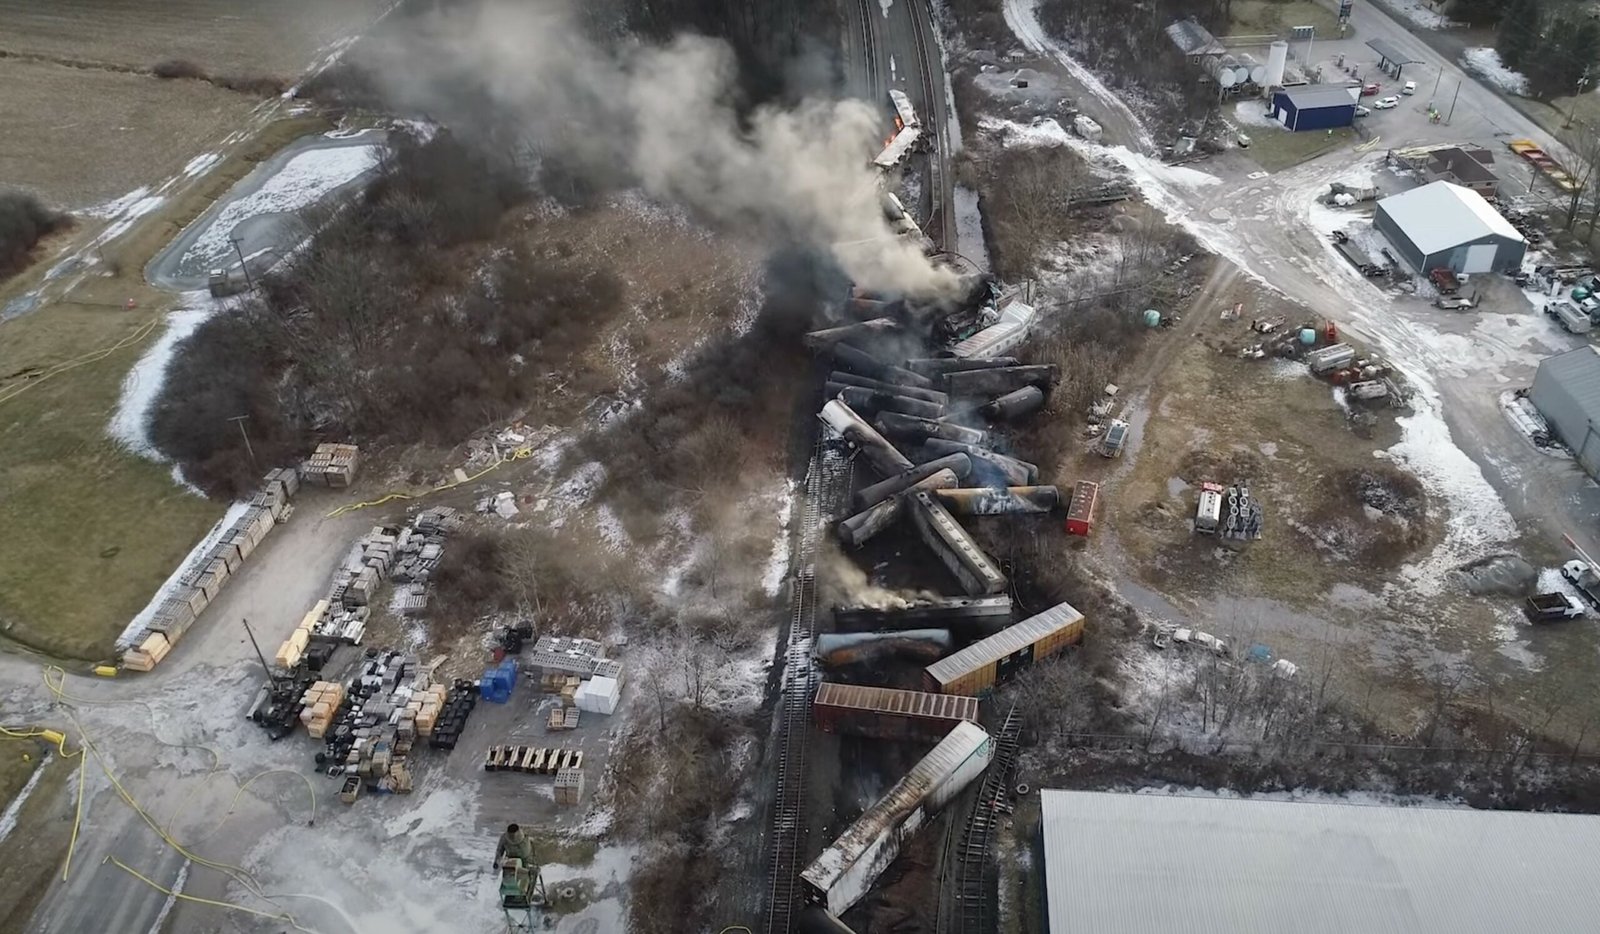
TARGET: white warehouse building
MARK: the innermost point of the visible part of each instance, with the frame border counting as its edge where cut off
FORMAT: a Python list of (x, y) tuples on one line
[(1445, 226)]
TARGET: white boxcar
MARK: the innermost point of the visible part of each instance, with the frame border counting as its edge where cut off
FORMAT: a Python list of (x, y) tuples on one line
[(898, 148), (1016, 321), (903, 108), (843, 873)]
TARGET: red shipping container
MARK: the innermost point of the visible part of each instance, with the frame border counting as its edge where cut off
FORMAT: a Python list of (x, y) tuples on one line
[(1080, 511)]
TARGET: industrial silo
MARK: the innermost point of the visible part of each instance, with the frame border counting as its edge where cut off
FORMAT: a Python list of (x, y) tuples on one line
[(1277, 58)]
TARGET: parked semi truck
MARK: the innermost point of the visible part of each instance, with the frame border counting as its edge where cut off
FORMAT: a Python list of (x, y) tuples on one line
[(1569, 316)]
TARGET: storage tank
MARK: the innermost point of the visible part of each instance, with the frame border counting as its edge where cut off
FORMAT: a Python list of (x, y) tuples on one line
[(1257, 72), (1277, 58), (1222, 69), (1308, 336)]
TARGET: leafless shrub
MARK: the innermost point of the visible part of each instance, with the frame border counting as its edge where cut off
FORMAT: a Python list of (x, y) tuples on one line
[(253, 85), (377, 329), (1027, 196), (24, 221), (174, 68)]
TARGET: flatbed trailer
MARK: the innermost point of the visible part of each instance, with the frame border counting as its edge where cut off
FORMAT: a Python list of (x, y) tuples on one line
[(1545, 163)]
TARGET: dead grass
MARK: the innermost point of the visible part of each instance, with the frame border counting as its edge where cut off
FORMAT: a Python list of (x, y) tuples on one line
[(281, 37), (91, 530), (79, 137), (1279, 149), (1276, 17)]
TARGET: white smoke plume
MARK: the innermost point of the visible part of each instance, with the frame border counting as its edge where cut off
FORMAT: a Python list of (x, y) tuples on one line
[(665, 115)]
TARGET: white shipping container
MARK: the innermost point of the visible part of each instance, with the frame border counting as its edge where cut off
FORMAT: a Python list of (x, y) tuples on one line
[(845, 871)]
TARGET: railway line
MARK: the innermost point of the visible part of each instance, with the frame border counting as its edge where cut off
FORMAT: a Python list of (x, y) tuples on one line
[(941, 217), (827, 483), (974, 870)]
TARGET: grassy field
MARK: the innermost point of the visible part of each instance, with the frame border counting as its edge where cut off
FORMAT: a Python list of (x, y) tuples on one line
[(1277, 149), (231, 36), (1263, 17), (79, 137), (90, 530)]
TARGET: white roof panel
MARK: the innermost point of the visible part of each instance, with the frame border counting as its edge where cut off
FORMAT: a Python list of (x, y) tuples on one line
[(1135, 864), (1441, 215)]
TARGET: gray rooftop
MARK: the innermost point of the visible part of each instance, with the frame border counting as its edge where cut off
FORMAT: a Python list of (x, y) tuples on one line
[(1440, 215), (1136, 864), (1390, 51), (1191, 38), (1312, 96)]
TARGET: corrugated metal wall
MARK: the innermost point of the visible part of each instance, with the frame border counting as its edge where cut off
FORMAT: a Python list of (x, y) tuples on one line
[(1323, 118), (1566, 391), (1384, 224)]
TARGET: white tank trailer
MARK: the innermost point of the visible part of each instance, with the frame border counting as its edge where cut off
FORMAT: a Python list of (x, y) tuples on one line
[(1224, 70), (845, 871), (1255, 71), (1277, 60)]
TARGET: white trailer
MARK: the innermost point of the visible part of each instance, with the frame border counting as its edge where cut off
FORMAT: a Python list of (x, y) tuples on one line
[(1015, 321), (903, 109), (845, 871), (1087, 128), (898, 148)]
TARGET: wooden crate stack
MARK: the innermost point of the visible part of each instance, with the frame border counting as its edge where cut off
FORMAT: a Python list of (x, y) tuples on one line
[(562, 718), (320, 703), (148, 654), (332, 465), (425, 708), (204, 578)]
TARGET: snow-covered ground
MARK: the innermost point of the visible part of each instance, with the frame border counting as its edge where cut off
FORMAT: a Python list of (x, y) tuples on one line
[(778, 563), (1254, 113), (142, 386), (301, 182), (1486, 64), (1022, 18), (201, 164), (969, 227), (1417, 12)]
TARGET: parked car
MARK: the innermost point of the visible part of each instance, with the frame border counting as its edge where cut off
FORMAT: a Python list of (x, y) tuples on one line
[(1363, 111), (1386, 103), (1371, 90), (1112, 441), (1409, 88)]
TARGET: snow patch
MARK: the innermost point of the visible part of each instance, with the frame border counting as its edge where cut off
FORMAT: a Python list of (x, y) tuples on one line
[(1485, 63), (1417, 12), (884, 5), (1253, 113), (969, 227), (200, 164), (8, 819), (136, 626), (1478, 518), (778, 563), (302, 181), (142, 386), (1021, 17), (116, 205)]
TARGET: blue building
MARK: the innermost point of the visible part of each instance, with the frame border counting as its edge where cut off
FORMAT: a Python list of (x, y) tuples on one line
[(1315, 107)]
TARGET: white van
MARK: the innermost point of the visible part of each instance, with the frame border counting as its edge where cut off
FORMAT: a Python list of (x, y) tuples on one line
[(1410, 87)]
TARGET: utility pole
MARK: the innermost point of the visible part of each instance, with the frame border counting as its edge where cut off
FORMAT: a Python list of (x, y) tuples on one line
[(240, 420), (1437, 78), (237, 248), (1453, 100), (264, 666)]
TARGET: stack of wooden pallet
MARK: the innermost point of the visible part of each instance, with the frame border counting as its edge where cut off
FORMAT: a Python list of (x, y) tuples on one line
[(534, 760), (563, 718), (210, 569), (332, 465), (319, 705)]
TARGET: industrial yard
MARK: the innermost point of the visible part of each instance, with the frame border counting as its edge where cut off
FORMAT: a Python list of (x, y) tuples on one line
[(909, 445)]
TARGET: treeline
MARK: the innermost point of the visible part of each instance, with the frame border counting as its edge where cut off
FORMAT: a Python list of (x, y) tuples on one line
[(775, 40), (388, 324), (1555, 46), (24, 221)]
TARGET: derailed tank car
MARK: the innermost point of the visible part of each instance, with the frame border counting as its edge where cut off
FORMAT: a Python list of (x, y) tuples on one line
[(844, 872), (976, 669)]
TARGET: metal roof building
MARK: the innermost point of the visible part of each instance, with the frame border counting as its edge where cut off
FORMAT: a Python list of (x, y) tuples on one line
[(1135, 864), (1315, 107), (1566, 391), (1446, 226)]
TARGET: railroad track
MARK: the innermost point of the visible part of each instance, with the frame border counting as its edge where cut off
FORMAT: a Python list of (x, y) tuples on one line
[(975, 874), (942, 215), (826, 478)]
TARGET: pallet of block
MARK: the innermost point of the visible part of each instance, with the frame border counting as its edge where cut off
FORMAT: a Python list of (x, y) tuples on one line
[(332, 465), (532, 760), (148, 653), (319, 705), (563, 718)]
